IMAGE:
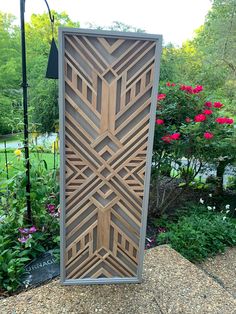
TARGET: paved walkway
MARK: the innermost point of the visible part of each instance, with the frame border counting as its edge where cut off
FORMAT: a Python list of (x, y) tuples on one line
[(171, 285), (222, 269)]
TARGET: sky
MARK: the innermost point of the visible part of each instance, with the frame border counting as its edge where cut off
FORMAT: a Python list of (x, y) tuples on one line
[(176, 20)]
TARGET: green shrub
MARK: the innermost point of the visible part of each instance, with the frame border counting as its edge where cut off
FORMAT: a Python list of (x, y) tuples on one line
[(11, 259), (200, 234), (191, 132), (20, 242)]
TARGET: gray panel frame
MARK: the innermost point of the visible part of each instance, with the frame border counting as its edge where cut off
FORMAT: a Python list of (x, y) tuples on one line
[(126, 35)]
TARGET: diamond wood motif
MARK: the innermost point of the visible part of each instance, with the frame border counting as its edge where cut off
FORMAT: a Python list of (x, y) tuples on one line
[(107, 93)]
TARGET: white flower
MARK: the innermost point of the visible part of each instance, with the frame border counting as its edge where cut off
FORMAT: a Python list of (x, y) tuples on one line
[(201, 201), (224, 217), (209, 207), (214, 207), (210, 195), (227, 206), (227, 211)]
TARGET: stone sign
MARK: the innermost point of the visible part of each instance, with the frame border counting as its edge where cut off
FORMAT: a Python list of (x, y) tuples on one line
[(40, 270)]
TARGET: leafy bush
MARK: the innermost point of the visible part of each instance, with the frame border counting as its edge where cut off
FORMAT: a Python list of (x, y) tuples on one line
[(190, 133), (199, 234), (231, 184), (12, 258), (19, 242)]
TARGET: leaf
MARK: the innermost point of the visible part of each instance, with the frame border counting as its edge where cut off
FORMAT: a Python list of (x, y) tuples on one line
[(24, 259), (44, 163)]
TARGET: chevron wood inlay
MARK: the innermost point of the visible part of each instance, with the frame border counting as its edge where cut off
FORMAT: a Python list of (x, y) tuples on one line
[(108, 84)]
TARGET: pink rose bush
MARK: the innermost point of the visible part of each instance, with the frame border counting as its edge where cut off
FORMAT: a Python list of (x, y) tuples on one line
[(184, 115), (190, 126)]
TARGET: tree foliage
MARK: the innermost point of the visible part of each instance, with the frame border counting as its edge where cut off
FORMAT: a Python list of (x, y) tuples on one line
[(118, 26), (9, 73), (209, 59), (42, 93)]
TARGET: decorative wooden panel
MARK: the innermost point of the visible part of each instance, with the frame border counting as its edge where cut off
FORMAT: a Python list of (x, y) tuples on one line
[(106, 96)]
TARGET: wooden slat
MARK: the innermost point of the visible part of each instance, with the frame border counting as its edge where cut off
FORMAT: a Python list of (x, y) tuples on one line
[(109, 88)]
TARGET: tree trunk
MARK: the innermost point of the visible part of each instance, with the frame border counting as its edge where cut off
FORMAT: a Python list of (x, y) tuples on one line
[(220, 176)]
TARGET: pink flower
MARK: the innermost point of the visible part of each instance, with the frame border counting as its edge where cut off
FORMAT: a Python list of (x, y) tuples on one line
[(159, 121), (161, 96), (191, 90), (197, 89), (224, 120), (207, 111), (188, 120), (168, 84), (208, 104), (166, 139), (229, 120), (173, 84), (208, 135), (221, 120), (175, 136), (218, 105), (200, 117), (186, 88)]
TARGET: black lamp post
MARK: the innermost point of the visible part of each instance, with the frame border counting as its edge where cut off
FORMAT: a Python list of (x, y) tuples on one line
[(52, 72)]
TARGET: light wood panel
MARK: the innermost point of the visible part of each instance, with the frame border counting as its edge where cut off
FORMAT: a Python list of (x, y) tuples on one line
[(108, 86)]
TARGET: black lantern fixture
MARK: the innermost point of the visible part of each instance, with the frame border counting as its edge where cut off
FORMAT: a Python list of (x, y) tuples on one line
[(52, 68), (52, 72)]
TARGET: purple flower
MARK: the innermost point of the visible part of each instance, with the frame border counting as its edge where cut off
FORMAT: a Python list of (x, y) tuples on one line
[(51, 208), (24, 230), (24, 239), (32, 229)]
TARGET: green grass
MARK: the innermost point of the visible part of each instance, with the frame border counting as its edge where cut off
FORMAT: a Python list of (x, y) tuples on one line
[(18, 164)]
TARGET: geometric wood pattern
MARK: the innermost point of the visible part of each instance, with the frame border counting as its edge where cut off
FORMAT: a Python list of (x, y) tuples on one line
[(107, 96)]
